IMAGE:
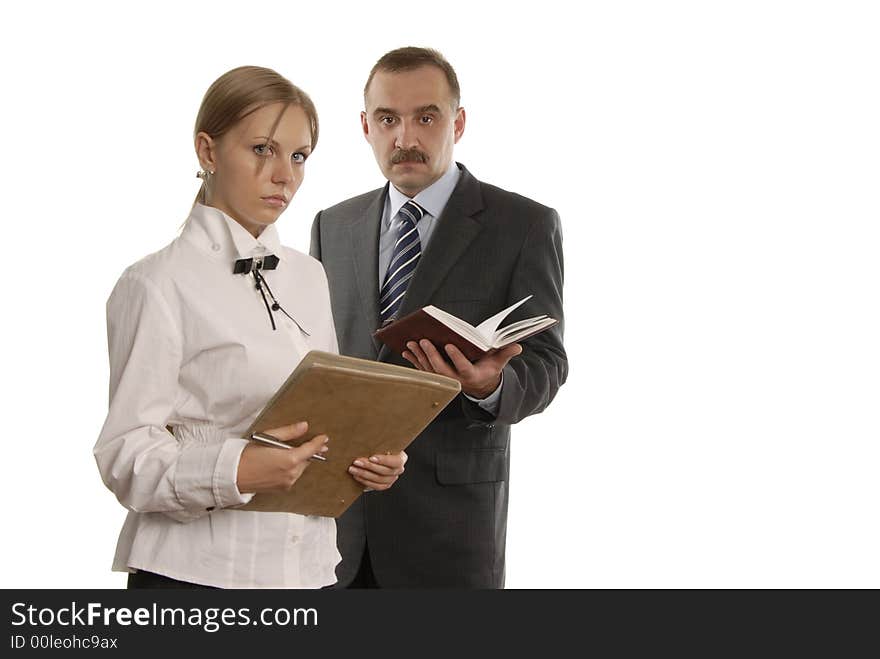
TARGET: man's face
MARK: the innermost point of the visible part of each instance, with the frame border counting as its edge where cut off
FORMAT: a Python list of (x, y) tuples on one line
[(412, 126)]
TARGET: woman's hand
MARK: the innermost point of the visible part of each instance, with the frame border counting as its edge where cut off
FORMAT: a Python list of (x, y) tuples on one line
[(267, 469), (378, 472)]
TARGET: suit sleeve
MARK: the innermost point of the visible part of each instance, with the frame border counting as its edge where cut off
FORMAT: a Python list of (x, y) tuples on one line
[(532, 379), (315, 247)]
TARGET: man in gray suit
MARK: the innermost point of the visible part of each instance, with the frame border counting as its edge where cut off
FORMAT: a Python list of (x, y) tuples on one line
[(436, 235)]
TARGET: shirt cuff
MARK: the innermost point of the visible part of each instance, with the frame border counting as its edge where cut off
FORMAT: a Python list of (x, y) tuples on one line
[(226, 474), (490, 402), (206, 471)]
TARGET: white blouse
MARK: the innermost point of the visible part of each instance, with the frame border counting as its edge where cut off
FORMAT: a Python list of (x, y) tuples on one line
[(192, 349)]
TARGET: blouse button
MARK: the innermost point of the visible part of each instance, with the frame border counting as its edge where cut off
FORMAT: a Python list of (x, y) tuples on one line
[(215, 247)]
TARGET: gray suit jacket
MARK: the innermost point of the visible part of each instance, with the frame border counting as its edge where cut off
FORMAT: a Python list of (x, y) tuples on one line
[(444, 522)]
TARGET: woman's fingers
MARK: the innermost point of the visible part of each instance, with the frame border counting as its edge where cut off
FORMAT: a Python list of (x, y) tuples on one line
[(316, 445), (291, 432), (378, 472), (370, 481)]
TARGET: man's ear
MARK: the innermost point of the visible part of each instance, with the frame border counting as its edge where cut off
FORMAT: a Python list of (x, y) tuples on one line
[(458, 124), (364, 125), (206, 151)]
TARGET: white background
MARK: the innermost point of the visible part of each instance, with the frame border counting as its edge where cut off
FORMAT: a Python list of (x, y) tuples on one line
[(715, 165)]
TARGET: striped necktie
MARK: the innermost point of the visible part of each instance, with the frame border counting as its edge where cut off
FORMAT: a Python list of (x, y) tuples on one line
[(404, 259)]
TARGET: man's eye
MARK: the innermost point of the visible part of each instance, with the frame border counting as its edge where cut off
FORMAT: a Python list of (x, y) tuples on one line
[(387, 120), (427, 119), (263, 150)]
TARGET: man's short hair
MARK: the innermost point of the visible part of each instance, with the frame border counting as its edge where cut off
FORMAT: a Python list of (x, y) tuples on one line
[(411, 57)]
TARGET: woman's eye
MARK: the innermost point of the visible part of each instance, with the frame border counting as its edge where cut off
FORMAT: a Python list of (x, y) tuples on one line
[(299, 157), (263, 150)]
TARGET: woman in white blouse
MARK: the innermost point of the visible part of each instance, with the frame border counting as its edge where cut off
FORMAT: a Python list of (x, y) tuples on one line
[(196, 350)]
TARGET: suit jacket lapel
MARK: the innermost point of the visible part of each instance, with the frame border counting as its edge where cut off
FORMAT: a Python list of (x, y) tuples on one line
[(364, 236), (455, 230)]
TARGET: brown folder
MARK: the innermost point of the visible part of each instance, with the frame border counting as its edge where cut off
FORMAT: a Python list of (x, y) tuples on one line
[(364, 407)]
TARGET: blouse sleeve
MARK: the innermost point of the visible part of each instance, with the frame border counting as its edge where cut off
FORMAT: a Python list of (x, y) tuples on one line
[(146, 467)]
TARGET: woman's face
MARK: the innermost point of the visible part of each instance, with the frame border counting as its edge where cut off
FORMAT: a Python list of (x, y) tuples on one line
[(255, 177)]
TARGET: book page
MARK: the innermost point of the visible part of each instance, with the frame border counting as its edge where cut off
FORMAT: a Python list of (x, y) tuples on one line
[(460, 327), (508, 337), (489, 326), (513, 328)]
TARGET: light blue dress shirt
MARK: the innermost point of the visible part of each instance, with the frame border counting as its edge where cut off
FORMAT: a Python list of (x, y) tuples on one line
[(433, 200)]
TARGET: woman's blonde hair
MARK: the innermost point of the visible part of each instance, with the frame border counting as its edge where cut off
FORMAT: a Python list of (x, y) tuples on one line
[(241, 91)]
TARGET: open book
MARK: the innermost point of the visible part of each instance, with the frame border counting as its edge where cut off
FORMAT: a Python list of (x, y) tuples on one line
[(441, 327)]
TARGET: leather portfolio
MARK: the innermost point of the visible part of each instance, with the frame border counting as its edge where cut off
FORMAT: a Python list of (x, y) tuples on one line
[(364, 407)]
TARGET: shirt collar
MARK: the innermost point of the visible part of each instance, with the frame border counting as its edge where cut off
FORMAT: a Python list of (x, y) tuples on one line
[(433, 198), (219, 235)]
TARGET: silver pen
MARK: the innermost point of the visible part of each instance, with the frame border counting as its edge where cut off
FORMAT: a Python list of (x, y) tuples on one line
[(269, 440)]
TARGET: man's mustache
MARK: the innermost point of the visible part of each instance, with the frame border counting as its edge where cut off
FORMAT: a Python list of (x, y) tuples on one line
[(408, 155)]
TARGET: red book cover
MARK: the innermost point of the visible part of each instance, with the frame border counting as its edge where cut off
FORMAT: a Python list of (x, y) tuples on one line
[(420, 325)]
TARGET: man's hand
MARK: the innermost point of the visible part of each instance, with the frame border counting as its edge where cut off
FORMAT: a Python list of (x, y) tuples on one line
[(478, 379)]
